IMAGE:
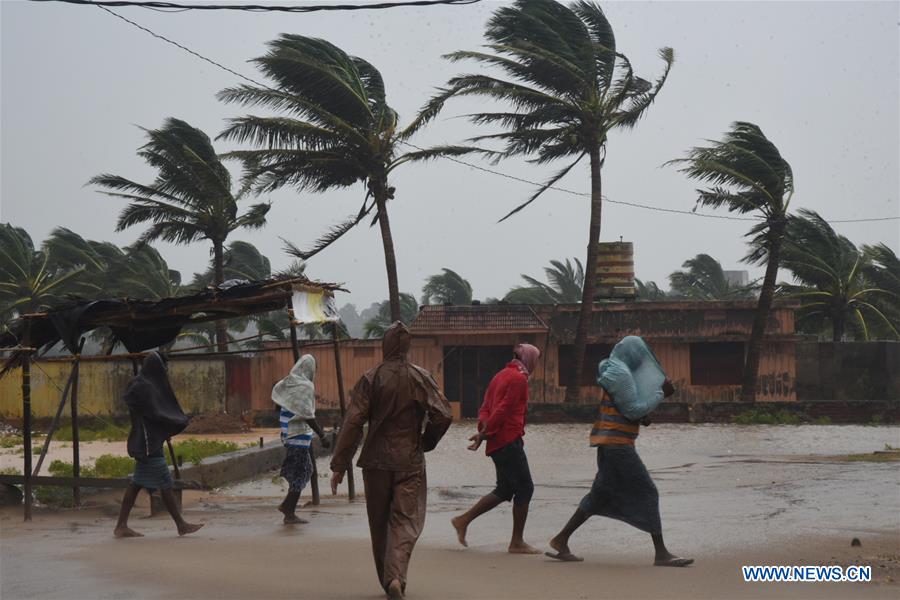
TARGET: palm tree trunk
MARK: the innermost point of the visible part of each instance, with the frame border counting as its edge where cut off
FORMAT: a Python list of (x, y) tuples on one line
[(219, 274), (761, 319), (390, 259), (837, 329), (585, 315)]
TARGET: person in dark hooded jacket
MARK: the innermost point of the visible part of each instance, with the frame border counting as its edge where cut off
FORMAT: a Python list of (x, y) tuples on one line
[(407, 416), (155, 417)]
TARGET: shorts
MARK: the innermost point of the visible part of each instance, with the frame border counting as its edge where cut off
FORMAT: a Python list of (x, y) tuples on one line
[(513, 475)]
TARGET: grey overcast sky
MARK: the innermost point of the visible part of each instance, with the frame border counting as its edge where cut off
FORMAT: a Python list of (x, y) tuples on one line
[(820, 78)]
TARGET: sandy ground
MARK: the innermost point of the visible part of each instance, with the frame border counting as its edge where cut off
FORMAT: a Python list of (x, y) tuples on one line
[(729, 496)]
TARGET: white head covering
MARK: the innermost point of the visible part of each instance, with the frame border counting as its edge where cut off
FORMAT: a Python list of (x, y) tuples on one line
[(296, 392)]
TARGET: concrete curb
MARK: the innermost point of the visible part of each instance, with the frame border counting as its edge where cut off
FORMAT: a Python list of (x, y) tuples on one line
[(223, 469)]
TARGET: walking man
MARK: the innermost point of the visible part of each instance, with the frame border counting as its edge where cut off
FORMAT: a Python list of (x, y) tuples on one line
[(155, 417), (501, 421), (622, 488), (407, 416)]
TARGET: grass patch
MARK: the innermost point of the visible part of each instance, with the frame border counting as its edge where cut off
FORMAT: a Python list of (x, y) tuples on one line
[(194, 451), (10, 471), (11, 441), (755, 416), (95, 432), (106, 466)]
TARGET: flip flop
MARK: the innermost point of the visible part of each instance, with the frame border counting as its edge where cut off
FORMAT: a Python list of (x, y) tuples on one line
[(568, 557), (674, 562)]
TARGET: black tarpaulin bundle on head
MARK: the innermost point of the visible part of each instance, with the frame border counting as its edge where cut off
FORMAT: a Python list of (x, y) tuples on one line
[(155, 413)]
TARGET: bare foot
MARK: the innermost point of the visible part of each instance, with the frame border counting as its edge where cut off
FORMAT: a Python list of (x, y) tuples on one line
[(522, 548), (294, 520), (126, 532), (395, 590), (562, 551), (672, 561), (189, 528), (457, 523)]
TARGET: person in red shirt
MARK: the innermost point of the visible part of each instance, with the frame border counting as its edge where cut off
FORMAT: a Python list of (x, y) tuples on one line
[(501, 422)]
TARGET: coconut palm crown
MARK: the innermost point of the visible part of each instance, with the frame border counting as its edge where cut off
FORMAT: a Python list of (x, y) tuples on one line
[(333, 129)]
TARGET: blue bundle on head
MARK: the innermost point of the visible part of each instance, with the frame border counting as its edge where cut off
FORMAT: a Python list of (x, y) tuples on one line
[(633, 377)]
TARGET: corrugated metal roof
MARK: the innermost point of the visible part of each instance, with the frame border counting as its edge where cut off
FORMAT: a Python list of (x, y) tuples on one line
[(483, 318)]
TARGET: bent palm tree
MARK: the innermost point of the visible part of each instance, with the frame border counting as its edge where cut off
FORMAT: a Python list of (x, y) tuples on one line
[(377, 325), (748, 175), (648, 291), (703, 278), (569, 87), (883, 270), (447, 287), (835, 288), (190, 200), (240, 260), (30, 279), (565, 285), (336, 129)]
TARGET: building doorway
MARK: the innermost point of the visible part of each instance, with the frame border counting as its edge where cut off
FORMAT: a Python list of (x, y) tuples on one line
[(468, 371)]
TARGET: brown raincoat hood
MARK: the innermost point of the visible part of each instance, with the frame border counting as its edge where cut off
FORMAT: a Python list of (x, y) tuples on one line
[(396, 341)]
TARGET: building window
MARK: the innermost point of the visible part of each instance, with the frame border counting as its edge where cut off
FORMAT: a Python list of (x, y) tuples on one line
[(592, 357), (717, 363)]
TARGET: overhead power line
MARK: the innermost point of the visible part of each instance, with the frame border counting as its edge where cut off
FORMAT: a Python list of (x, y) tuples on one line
[(466, 163), (308, 8)]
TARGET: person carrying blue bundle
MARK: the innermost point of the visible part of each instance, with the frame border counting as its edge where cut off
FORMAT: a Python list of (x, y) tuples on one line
[(633, 385)]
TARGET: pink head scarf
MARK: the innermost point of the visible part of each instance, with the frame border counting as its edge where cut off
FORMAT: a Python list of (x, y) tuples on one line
[(527, 356)]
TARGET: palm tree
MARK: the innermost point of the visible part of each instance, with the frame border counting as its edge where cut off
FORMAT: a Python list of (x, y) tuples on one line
[(569, 87), (191, 198), (882, 268), (835, 289), (136, 271), (565, 285), (704, 279), (746, 174), (30, 279), (377, 325), (335, 129), (144, 273), (447, 287), (648, 291), (240, 260)]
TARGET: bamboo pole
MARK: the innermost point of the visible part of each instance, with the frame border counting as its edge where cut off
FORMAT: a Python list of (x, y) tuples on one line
[(26, 426), (76, 448), (295, 347), (26, 420), (64, 397), (351, 486)]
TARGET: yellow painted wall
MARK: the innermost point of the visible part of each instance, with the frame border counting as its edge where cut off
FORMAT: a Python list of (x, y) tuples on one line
[(198, 384)]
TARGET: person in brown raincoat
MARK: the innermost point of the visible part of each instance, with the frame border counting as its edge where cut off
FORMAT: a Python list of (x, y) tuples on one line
[(407, 416)]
